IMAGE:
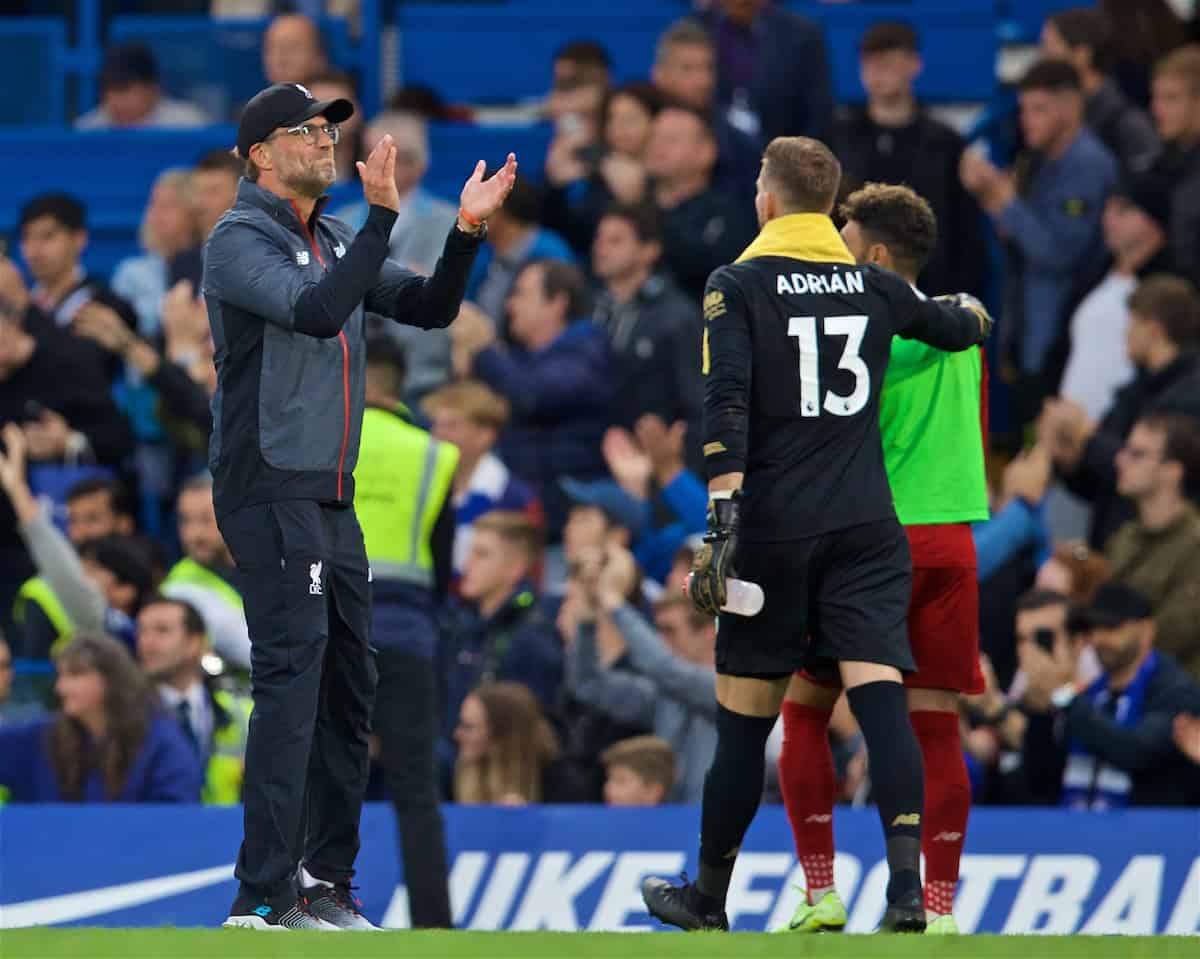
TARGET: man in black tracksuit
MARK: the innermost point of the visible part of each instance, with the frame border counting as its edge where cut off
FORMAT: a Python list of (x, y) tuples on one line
[(287, 290)]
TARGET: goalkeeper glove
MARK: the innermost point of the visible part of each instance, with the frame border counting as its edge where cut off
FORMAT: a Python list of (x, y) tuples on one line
[(967, 302), (714, 560)]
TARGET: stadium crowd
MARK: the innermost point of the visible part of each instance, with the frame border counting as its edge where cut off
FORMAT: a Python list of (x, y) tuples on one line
[(537, 575)]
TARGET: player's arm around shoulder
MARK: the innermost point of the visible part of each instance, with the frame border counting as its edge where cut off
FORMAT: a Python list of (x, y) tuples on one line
[(954, 322)]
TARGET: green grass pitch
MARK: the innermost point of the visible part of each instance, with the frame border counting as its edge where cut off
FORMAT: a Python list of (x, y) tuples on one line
[(238, 944)]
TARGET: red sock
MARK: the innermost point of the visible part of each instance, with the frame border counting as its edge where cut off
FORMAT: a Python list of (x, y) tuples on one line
[(947, 805), (806, 779)]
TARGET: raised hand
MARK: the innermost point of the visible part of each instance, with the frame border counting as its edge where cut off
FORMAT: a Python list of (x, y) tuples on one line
[(663, 444), (630, 467), (102, 324), (12, 287), (481, 198), (12, 458), (378, 175)]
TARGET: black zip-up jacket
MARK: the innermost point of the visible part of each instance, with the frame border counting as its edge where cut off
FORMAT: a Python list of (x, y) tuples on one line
[(1173, 389), (286, 302)]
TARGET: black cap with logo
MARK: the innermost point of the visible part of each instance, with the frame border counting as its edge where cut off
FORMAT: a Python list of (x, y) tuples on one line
[(285, 105)]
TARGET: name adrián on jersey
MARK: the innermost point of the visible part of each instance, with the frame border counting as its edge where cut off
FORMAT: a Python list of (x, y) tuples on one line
[(850, 281)]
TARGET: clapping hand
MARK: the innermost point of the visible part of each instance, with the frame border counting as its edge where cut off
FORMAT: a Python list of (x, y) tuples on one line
[(1028, 476), (184, 318), (12, 459), (471, 332), (481, 198), (1064, 429), (378, 175), (630, 467), (663, 444), (1187, 736), (12, 286), (103, 325), (12, 473)]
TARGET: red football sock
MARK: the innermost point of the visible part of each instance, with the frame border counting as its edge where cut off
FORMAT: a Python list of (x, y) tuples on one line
[(947, 805), (807, 781)]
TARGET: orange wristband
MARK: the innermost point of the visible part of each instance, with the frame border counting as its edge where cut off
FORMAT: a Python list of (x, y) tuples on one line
[(470, 219)]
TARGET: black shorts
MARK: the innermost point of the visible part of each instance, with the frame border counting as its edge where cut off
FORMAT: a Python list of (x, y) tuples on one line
[(840, 596)]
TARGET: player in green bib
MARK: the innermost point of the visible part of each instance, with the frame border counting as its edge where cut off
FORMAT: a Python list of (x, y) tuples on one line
[(932, 418)]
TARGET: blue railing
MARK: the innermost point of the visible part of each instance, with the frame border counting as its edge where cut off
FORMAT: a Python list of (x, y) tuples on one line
[(194, 53), (120, 167)]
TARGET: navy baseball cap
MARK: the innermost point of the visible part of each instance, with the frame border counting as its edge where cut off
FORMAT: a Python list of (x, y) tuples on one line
[(1113, 605), (606, 495), (285, 105)]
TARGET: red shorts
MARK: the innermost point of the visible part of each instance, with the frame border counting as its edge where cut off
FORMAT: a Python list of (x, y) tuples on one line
[(943, 613)]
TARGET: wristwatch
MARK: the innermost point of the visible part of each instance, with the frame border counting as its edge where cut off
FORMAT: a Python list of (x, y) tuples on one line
[(1062, 697)]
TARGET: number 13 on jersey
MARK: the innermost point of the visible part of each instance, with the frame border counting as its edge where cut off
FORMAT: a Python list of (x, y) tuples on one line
[(853, 328)]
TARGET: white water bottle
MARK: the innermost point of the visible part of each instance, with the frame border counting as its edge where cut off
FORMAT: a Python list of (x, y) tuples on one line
[(742, 598)]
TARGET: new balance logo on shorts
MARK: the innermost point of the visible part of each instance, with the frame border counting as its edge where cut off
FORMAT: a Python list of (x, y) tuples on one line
[(314, 573), (907, 819), (947, 837), (818, 817)]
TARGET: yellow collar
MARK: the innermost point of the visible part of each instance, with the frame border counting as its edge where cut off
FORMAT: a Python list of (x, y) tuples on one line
[(800, 236)]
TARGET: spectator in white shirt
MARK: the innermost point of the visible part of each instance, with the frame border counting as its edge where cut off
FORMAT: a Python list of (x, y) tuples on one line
[(1134, 224), (130, 95)]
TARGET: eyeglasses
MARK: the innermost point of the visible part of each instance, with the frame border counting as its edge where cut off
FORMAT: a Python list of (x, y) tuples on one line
[(308, 132)]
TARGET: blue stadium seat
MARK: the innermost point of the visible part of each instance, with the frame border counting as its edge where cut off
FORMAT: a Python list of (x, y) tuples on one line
[(958, 37), (216, 64), (1021, 20), (33, 71), (521, 36), (454, 149), (111, 172), (121, 165), (502, 53)]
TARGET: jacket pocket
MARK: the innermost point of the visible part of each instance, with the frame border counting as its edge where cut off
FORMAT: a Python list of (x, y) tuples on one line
[(301, 401)]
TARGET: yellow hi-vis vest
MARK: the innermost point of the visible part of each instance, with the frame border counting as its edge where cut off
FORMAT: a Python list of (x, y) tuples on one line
[(38, 592), (189, 572), (227, 761), (400, 484)]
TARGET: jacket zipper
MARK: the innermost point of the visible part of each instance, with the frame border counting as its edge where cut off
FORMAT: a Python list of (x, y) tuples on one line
[(312, 242)]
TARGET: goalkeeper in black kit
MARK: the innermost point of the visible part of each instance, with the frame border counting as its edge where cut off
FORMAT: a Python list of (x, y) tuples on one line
[(796, 344)]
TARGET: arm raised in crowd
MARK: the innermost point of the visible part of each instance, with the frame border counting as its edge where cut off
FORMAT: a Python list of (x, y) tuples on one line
[(53, 555), (623, 696)]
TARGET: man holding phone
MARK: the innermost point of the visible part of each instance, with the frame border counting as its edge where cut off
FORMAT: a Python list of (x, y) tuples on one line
[(1105, 742)]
